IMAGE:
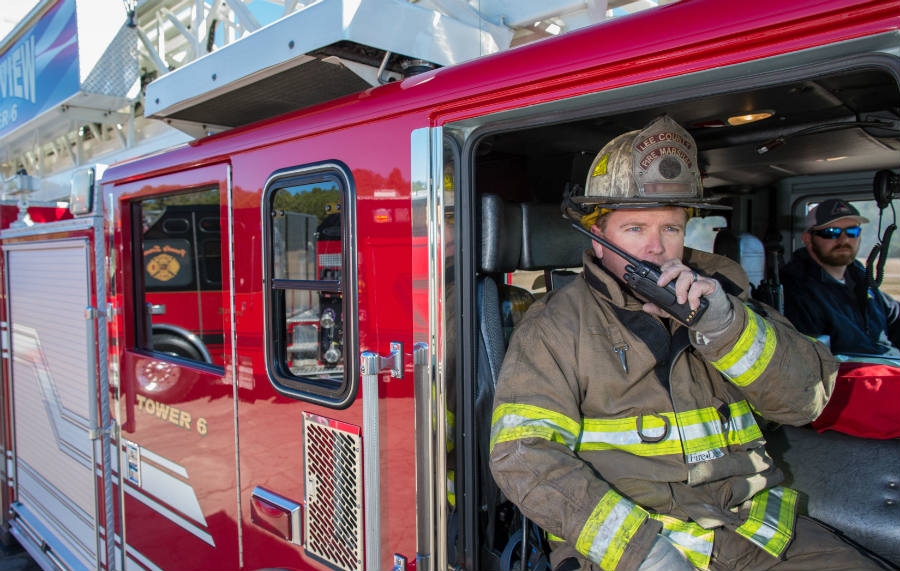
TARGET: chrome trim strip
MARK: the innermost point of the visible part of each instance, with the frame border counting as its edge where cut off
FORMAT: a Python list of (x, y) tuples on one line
[(97, 328), (424, 459), (426, 146), (437, 253), (369, 367), (110, 214), (232, 334), (70, 225)]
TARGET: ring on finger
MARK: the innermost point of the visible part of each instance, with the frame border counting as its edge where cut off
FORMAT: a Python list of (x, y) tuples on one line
[(694, 276)]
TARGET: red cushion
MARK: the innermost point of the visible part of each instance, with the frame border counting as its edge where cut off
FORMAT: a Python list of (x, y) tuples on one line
[(865, 402)]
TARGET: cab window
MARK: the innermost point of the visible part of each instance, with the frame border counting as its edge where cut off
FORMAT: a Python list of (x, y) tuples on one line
[(179, 275), (307, 350)]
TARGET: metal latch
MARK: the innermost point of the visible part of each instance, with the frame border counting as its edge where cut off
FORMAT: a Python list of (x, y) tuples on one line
[(371, 363)]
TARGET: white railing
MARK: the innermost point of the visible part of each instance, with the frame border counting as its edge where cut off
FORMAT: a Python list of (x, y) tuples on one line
[(169, 34)]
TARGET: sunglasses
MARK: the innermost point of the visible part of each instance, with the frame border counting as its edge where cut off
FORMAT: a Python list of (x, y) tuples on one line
[(835, 233)]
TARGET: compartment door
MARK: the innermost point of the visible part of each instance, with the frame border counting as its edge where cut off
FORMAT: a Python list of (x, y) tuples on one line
[(56, 420)]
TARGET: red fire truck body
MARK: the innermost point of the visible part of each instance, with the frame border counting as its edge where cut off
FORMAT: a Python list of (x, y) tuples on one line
[(270, 455)]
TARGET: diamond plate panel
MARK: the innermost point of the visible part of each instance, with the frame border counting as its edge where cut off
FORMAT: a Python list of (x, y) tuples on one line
[(117, 70)]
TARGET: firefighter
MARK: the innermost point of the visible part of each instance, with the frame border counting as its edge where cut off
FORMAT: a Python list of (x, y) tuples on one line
[(631, 438)]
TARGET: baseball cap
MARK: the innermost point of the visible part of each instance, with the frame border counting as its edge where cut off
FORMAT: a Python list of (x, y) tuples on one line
[(830, 211), (652, 167)]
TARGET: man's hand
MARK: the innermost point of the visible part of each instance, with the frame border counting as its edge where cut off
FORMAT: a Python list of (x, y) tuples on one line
[(690, 287)]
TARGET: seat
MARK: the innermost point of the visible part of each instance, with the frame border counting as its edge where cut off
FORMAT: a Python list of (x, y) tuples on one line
[(749, 251), (849, 483), (500, 240), (499, 307), (549, 243), (511, 236)]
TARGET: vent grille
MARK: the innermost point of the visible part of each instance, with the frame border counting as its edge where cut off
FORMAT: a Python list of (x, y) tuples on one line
[(330, 260), (334, 509)]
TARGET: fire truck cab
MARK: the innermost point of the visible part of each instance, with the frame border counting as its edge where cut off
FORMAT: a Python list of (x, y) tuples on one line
[(276, 346)]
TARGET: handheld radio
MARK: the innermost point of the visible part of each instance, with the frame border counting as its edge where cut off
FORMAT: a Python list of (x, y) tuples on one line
[(641, 277)]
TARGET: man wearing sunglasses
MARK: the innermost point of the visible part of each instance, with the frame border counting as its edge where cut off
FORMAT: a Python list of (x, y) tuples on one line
[(825, 287)]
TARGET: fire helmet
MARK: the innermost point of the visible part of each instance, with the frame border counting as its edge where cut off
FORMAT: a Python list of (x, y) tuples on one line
[(650, 168)]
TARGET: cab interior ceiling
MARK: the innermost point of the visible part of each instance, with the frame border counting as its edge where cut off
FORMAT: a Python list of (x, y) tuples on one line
[(840, 123)]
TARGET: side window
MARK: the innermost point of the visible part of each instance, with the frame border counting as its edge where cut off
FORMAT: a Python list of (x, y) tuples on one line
[(178, 263), (305, 278)]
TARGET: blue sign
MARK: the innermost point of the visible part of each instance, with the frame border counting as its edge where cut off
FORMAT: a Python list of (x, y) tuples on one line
[(40, 70)]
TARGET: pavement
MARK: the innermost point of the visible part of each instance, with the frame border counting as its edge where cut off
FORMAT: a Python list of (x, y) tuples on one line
[(14, 558)]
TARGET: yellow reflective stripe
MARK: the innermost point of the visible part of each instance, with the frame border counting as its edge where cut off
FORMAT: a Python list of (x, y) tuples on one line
[(518, 421), (609, 528), (451, 488), (742, 426), (621, 434), (701, 433), (698, 434), (451, 430), (694, 542), (751, 354), (771, 521)]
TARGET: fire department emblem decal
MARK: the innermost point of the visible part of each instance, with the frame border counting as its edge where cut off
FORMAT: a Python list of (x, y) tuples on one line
[(163, 267)]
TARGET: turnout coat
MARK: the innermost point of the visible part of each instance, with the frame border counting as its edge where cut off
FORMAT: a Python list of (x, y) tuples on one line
[(611, 425)]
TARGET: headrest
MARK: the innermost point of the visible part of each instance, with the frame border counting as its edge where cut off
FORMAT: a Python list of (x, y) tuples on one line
[(747, 250), (500, 235), (548, 239)]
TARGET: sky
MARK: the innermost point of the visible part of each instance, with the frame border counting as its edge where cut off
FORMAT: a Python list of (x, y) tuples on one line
[(11, 12)]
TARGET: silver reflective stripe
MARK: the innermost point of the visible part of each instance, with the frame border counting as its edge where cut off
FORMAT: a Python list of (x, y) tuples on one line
[(769, 526), (742, 422), (625, 438), (513, 422), (754, 352), (689, 542), (699, 435), (609, 529), (702, 430)]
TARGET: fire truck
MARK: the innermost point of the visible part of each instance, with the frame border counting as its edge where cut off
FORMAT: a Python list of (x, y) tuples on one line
[(367, 255)]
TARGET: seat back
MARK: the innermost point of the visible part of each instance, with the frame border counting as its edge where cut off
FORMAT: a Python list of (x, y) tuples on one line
[(510, 237), (549, 243), (500, 242), (498, 307), (750, 252), (747, 250)]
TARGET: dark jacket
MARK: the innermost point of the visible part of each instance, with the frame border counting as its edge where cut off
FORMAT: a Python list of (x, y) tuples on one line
[(859, 319)]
